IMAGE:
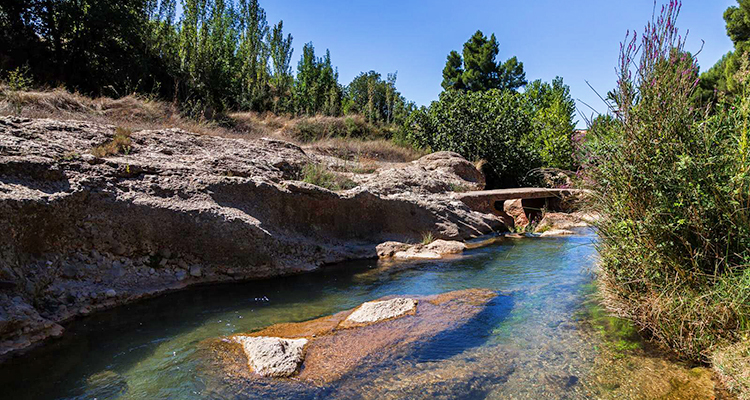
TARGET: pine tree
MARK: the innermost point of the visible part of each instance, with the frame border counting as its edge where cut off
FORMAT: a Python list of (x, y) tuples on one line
[(453, 71), (477, 69)]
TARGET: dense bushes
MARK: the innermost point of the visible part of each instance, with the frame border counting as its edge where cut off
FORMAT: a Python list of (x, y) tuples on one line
[(673, 188), (513, 132), (485, 125)]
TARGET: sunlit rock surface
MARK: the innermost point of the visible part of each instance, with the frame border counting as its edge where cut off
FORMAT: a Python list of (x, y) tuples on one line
[(376, 311), (433, 251), (335, 348), (273, 356)]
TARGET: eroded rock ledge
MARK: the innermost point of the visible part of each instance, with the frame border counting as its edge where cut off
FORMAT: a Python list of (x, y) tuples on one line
[(80, 233)]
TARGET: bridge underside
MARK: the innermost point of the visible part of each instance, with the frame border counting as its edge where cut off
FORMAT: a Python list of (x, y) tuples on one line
[(533, 201)]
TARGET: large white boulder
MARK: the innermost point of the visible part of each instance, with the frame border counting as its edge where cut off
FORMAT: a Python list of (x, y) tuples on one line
[(273, 356), (375, 311)]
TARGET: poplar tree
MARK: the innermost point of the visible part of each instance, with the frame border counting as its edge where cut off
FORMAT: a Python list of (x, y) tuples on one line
[(281, 58)]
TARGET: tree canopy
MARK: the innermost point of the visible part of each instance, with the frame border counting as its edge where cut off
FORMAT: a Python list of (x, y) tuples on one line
[(476, 69), (218, 55), (722, 78)]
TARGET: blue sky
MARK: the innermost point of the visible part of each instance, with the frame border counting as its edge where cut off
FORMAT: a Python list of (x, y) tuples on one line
[(576, 39)]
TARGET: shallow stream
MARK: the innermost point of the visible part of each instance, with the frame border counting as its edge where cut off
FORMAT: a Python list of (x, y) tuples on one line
[(537, 340)]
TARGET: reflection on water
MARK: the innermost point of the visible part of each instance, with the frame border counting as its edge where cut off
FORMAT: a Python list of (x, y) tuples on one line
[(529, 344)]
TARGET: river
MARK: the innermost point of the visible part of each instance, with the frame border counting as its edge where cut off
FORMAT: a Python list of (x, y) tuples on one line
[(542, 337)]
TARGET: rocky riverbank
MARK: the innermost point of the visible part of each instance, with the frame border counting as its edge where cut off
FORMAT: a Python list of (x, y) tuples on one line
[(83, 229)]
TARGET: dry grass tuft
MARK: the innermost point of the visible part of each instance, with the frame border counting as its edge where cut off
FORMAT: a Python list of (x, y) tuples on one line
[(130, 112), (120, 144), (321, 175), (352, 149), (733, 366)]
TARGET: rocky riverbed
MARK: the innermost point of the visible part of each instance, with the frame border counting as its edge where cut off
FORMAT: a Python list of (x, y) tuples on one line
[(80, 232)]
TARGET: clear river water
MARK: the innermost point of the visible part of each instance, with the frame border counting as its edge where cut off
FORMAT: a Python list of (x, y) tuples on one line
[(535, 341)]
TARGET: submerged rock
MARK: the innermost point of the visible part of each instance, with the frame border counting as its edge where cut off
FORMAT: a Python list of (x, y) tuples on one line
[(273, 356), (335, 347), (106, 385)]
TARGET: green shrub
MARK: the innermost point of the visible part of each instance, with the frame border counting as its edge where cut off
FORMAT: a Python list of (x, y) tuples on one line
[(674, 192), (19, 78), (353, 128), (427, 238)]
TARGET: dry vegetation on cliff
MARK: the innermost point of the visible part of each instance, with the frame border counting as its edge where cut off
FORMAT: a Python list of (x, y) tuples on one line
[(349, 137)]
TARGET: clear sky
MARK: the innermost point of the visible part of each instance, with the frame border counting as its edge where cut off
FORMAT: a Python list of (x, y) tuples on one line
[(576, 39)]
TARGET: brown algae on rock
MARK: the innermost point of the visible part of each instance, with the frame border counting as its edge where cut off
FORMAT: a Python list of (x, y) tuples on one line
[(336, 346)]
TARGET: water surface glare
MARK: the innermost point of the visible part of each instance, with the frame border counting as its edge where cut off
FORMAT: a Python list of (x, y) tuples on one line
[(527, 344)]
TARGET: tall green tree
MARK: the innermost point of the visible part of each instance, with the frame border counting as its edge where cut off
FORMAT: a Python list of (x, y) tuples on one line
[(218, 55), (477, 68), (453, 72), (281, 58), (377, 99), (253, 53), (316, 88)]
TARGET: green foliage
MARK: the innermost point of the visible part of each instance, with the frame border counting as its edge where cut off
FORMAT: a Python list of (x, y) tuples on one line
[(218, 55), (317, 90), (281, 57), (19, 78), (514, 133), (427, 238), (319, 175), (377, 99), (489, 125), (453, 72), (553, 111), (721, 80), (673, 189), (738, 21), (477, 70)]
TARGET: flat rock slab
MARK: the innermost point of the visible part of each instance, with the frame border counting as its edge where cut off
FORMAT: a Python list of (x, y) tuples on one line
[(556, 232), (563, 221), (335, 349), (273, 356), (433, 251), (376, 311)]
